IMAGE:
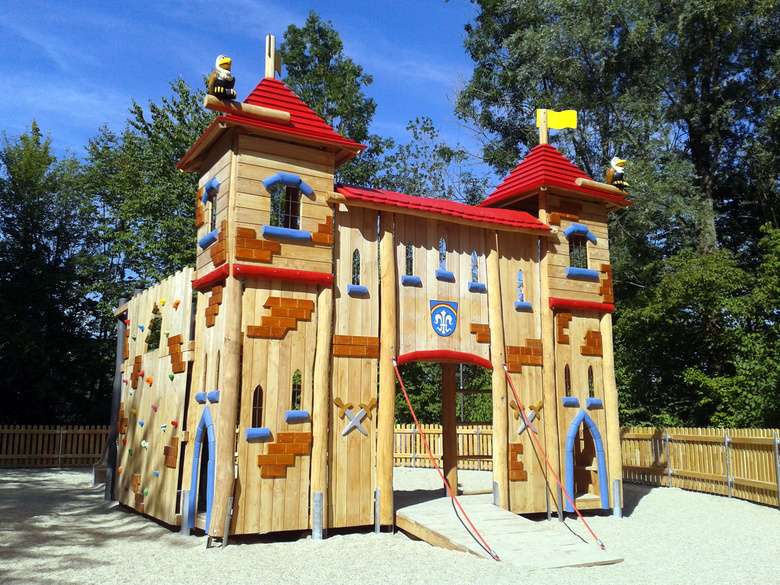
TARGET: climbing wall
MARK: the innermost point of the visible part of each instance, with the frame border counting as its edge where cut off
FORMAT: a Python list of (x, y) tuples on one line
[(154, 386)]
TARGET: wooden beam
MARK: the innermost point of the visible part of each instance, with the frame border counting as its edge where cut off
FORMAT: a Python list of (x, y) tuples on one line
[(211, 102), (500, 405), (388, 327), (449, 422), (582, 182), (321, 400), (614, 457)]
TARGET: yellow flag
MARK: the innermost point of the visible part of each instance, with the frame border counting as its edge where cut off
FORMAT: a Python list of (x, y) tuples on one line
[(558, 120)]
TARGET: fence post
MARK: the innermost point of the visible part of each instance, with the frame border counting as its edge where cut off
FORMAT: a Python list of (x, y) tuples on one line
[(414, 447), (726, 442), (777, 467), (668, 461), (59, 450), (477, 433)]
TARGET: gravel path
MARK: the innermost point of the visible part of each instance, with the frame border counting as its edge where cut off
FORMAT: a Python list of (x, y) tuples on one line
[(56, 528)]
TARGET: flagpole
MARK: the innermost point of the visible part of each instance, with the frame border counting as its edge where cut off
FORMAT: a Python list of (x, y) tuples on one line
[(544, 133)]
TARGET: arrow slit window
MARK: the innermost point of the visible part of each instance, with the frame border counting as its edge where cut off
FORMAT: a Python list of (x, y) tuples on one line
[(409, 259), (285, 207), (578, 251), (296, 391), (356, 267), (257, 407)]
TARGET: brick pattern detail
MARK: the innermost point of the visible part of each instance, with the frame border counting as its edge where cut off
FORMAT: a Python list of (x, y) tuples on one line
[(562, 321), (606, 291), (355, 346), (217, 250), (171, 453), (136, 373), (283, 316), (251, 249), (139, 502), (482, 332), (200, 212), (135, 483), (282, 453), (529, 354), (324, 233), (570, 211), (121, 427), (126, 349), (592, 344), (212, 310), (516, 471), (175, 352)]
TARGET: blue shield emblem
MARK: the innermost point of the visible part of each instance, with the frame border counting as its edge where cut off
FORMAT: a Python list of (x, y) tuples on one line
[(444, 317)]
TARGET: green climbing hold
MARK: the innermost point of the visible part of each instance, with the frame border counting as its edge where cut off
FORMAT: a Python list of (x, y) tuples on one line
[(146, 491), (130, 452), (170, 376)]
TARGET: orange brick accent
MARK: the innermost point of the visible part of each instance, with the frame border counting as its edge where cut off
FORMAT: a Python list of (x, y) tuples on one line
[(122, 424), (135, 482), (569, 211), (212, 310), (200, 216), (282, 453), (562, 321), (355, 346), (529, 354), (251, 249), (592, 344), (516, 471), (178, 365), (126, 349), (482, 332), (136, 373), (171, 453), (606, 291), (284, 314)]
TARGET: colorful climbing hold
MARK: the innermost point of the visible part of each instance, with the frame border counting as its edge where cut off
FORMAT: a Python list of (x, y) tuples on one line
[(170, 376), (124, 441), (145, 444), (176, 304), (130, 392), (154, 408), (167, 334), (133, 336), (141, 373), (125, 381), (149, 381), (163, 427), (146, 491), (141, 327), (119, 470), (162, 302), (127, 321), (130, 452), (133, 411), (156, 473), (140, 422), (175, 423)]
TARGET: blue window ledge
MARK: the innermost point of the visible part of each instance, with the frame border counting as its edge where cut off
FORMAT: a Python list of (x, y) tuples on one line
[(288, 180), (296, 416), (478, 287), (207, 240), (572, 272), (570, 401), (210, 188), (258, 433), (580, 230), (200, 398), (522, 306), (411, 280), (357, 290), (213, 396), (591, 403), (280, 233), (445, 275)]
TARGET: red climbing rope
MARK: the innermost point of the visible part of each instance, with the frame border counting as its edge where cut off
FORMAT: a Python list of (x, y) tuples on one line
[(441, 475), (528, 425)]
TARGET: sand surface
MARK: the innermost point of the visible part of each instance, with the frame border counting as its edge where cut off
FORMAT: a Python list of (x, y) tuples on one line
[(56, 528)]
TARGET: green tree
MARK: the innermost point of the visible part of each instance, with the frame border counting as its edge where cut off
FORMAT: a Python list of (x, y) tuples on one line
[(332, 85), (52, 364)]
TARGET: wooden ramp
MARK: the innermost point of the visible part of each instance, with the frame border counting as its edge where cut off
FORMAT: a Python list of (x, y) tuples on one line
[(516, 540)]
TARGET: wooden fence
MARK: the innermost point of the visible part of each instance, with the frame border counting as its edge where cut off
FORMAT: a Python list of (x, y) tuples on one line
[(475, 446), (42, 446), (740, 463)]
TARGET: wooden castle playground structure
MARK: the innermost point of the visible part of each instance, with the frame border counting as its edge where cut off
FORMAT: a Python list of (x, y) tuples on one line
[(249, 396)]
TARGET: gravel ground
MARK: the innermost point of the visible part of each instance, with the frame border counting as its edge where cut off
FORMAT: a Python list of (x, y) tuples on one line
[(56, 528)]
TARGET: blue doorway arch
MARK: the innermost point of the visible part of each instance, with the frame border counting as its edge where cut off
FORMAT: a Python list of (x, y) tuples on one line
[(571, 437), (205, 430)]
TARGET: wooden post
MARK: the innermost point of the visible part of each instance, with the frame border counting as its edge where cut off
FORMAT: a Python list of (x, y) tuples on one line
[(614, 457), (388, 327), (321, 401), (226, 410), (544, 132), (500, 421), (449, 429), (116, 400)]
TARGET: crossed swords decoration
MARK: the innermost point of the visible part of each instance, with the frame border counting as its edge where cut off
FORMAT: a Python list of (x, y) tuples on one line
[(531, 416), (355, 419)]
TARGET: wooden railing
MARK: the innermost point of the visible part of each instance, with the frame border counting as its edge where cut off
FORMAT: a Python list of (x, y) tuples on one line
[(475, 446), (41, 446), (740, 463)]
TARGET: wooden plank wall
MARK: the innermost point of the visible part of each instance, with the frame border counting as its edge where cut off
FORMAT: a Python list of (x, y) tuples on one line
[(154, 397), (51, 446), (268, 501), (219, 165), (414, 328), (697, 459), (354, 377)]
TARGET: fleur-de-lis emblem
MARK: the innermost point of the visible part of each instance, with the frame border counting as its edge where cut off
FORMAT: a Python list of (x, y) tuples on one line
[(444, 317)]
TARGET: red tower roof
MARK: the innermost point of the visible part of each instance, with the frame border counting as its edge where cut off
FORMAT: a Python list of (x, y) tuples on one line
[(545, 167), (427, 205), (304, 125)]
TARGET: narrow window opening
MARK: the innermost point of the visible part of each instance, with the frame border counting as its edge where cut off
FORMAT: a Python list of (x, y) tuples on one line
[(213, 219), (356, 267), (567, 381), (591, 386), (409, 259), (474, 267), (442, 254), (520, 288), (285, 207), (578, 251), (154, 331), (296, 391), (257, 407)]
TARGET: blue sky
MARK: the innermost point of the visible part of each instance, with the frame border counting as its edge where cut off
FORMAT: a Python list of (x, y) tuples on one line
[(75, 66)]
